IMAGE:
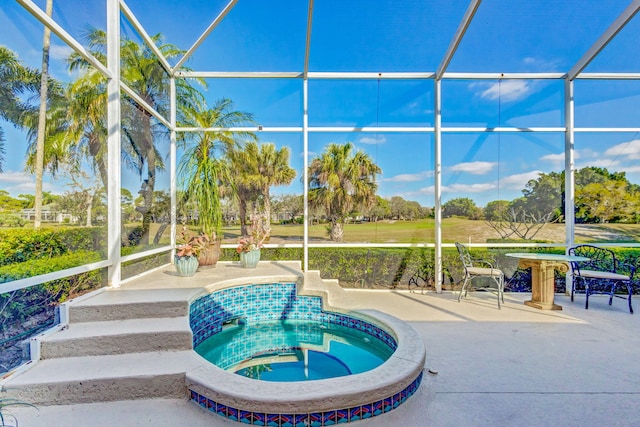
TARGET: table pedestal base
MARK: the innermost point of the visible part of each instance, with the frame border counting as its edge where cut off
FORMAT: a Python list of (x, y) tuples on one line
[(543, 282), (538, 305)]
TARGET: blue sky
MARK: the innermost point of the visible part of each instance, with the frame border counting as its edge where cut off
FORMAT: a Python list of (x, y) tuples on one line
[(384, 36)]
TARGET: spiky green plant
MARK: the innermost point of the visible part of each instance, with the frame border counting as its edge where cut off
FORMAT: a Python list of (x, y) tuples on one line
[(6, 417)]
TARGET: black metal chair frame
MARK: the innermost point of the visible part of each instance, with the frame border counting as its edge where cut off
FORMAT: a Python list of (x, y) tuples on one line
[(603, 274)]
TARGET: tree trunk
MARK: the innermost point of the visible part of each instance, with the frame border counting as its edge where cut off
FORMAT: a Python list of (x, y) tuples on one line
[(337, 230), (242, 211), (267, 210), (156, 238), (95, 145), (149, 184), (42, 119), (89, 203)]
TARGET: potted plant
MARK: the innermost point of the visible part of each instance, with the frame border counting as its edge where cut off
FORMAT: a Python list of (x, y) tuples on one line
[(6, 417), (249, 246), (204, 169), (209, 249), (186, 259)]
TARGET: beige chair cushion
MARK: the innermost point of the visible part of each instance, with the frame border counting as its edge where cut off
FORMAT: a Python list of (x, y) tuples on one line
[(593, 274), (483, 271)]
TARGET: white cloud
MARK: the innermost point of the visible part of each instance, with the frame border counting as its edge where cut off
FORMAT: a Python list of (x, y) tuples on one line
[(519, 180), (630, 150), (409, 177), (453, 188), (512, 182), (553, 157), (468, 188), (599, 163), (15, 178), (22, 188), (476, 168), (413, 109), (586, 154), (380, 139), (61, 52), (16, 183), (539, 64), (428, 191), (507, 90)]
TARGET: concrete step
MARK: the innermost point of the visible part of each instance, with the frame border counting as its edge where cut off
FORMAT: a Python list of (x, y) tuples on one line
[(118, 337), (116, 304), (104, 378)]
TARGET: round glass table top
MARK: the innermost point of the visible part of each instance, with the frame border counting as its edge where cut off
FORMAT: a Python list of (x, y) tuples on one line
[(547, 257)]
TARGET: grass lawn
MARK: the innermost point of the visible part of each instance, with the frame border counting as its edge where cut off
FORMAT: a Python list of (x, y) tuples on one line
[(453, 230), (422, 231)]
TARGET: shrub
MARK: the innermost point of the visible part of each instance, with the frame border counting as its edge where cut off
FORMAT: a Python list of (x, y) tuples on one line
[(391, 268), (11, 220), (26, 311), (141, 265), (355, 267), (20, 245), (61, 287)]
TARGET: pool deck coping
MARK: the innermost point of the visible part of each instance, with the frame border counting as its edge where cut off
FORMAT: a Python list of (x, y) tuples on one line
[(517, 366), (393, 376)]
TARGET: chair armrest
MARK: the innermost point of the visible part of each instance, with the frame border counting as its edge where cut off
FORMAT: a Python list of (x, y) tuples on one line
[(484, 261), (625, 266)]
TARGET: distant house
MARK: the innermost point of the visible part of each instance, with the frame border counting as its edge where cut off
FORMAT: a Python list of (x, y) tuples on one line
[(49, 214)]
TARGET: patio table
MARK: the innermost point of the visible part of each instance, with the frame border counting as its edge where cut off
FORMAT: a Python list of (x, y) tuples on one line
[(543, 267)]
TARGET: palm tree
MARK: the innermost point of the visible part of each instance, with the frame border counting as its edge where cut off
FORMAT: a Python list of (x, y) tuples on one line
[(42, 123), (86, 134), (55, 148), (42, 117), (259, 168), (244, 188), (143, 73), (340, 181), (15, 80), (203, 168)]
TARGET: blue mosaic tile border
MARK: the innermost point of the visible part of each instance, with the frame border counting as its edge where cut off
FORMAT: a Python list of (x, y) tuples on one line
[(265, 302), (279, 301), (314, 419)]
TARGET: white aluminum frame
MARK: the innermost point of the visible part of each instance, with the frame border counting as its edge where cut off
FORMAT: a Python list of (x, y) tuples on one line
[(116, 87), (114, 218)]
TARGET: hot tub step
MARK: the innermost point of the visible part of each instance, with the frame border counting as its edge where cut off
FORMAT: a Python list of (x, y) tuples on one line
[(104, 378), (130, 304), (118, 337)]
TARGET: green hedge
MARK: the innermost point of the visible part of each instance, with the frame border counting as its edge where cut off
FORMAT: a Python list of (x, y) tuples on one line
[(20, 305), (70, 285), (390, 268), (139, 266), (26, 311), (20, 245), (11, 220), (355, 267)]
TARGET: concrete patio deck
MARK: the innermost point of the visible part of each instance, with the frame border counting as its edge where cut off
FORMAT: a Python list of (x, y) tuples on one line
[(518, 366)]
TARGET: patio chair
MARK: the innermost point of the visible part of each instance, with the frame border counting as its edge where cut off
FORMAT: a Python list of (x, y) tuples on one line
[(602, 274), (474, 268)]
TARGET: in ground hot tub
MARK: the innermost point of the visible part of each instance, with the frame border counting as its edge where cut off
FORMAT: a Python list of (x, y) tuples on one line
[(282, 343), (293, 350)]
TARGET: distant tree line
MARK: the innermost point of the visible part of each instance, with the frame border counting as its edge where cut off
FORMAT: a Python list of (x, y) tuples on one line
[(600, 197)]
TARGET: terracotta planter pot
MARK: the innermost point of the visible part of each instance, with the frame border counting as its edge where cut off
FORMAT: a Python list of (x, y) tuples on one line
[(209, 257)]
